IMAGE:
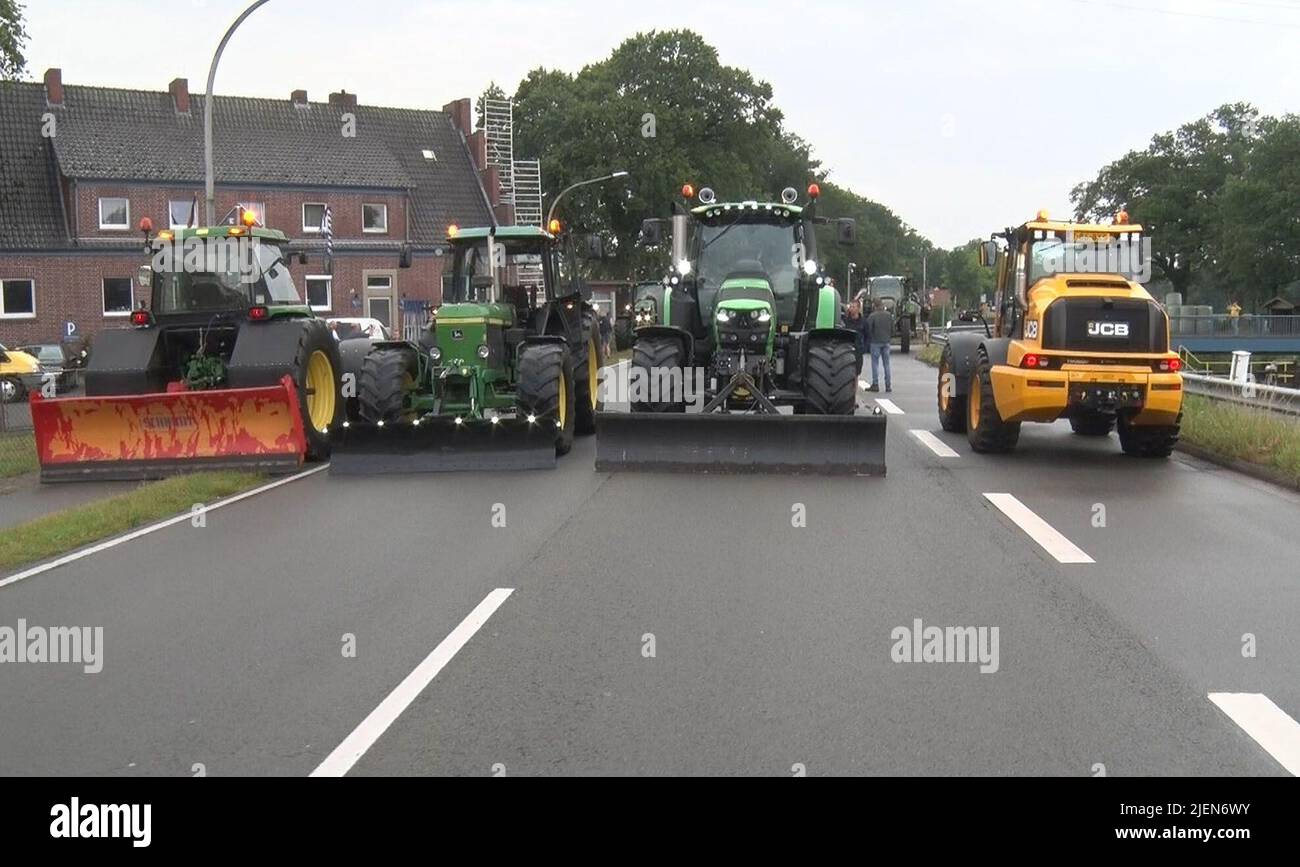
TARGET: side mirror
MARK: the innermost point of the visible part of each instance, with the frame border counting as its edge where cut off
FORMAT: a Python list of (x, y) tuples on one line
[(846, 231), (144, 277), (652, 233), (593, 247), (988, 254)]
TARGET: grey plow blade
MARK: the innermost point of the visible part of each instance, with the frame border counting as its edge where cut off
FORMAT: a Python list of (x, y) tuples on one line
[(721, 443), (441, 446)]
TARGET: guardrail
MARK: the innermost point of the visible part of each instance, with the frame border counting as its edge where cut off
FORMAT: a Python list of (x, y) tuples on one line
[(1246, 325), (1270, 398)]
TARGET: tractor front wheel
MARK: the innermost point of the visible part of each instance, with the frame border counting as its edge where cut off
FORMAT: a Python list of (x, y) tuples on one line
[(1150, 441), (985, 429), (387, 376), (830, 379), (546, 392), (952, 406), (658, 366), (586, 367)]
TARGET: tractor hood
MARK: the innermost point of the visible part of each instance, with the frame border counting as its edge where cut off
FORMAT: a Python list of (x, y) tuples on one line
[(463, 328)]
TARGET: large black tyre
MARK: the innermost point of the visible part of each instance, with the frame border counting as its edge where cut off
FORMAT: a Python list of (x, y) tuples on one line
[(1092, 425), (1153, 441), (952, 406), (546, 390), (387, 377), (830, 380), (587, 362), (657, 357), (318, 374), (985, 429)]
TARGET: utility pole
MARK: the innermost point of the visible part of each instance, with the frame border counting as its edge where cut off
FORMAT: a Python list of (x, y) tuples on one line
[(210, 202)]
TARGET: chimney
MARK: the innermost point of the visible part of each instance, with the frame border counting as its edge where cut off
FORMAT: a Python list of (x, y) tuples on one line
[(180, 91), (54, 86), (343, 99), (298, 97), (460, 112), (478, 149)]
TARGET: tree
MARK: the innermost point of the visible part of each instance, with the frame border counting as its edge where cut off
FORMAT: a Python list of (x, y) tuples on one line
[(13, 38)]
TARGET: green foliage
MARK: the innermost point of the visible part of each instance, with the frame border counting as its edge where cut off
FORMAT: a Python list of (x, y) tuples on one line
[(1219, 197), (663, 107), (204, 372), (13, 38)]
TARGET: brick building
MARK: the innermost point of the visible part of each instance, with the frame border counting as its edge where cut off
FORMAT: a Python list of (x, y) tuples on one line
[(80, 167)]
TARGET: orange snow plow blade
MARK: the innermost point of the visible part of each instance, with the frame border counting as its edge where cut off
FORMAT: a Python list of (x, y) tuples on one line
[(152, 436)]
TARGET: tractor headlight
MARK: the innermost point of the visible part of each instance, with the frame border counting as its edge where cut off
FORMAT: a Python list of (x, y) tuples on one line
[(435, 354), (484, 351), (810, 267), (725, 315), (764, 317)]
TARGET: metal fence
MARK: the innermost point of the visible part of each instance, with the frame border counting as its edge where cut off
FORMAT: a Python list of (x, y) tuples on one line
[(1221, 325)]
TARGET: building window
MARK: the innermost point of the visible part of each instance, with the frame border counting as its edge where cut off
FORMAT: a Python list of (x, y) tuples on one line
[(313, 215), (118, 300), (17, 299), (319, 294), (114, 214), (258, 209), (183, 214), (374, 218)]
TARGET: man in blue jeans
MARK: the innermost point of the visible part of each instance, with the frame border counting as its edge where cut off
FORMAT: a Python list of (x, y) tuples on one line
[(880, 332)]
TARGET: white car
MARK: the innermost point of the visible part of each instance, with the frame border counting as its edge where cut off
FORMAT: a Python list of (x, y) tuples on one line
[(350, 329)]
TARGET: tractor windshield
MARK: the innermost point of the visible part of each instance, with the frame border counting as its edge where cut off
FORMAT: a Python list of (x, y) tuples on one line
[(221, 276), (750, 248), (1074, 254), (520, 266)]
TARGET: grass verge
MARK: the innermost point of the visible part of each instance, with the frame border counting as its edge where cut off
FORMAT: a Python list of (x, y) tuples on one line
[(930, 354), (1238, 433), (17, 454), (75, 528)]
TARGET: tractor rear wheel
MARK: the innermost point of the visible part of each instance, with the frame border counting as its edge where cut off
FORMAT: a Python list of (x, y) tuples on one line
[(985, 429), (658, 360), (830, 380), (317, 373), (1092, 425), (1150, 441), (546, 390), (586, 367), (387, 377), (952, 406)]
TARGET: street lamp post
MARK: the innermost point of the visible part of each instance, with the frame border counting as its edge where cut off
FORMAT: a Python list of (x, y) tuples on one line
[(550, 215), (210, 202)]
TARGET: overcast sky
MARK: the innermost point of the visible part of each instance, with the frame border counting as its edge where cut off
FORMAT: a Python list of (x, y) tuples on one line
[(961, 116)]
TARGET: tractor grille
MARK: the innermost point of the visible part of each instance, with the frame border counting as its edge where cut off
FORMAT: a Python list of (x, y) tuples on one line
[(1105, 325)]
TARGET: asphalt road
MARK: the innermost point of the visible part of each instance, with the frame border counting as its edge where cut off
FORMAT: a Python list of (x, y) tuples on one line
[(684, 624)]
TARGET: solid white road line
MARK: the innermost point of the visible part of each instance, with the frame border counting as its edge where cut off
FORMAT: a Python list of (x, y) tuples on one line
[(934, 444), (355, 745), (889, 406), (153, 528), (1266, 723), (1039, 530)]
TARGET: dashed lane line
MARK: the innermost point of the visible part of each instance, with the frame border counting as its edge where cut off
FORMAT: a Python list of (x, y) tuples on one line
[(355, 745), (934, 444), (1047, 536), (152, 528), (1270, 726)]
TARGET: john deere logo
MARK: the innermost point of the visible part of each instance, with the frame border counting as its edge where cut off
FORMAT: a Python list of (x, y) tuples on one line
[(457, 334), (1108, 329)]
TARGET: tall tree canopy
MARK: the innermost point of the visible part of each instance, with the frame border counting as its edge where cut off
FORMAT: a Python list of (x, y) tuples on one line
[(13, 38)]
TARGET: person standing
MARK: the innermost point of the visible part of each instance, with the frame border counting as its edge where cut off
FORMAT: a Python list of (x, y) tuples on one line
[(606, 331), (880, 333), (857, 323)]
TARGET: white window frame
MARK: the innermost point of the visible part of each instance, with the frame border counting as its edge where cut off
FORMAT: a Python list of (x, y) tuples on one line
[(313, 230), (114, 227), (188, 203), (329, 291), (384, 230), (116, 314), (31, 281)]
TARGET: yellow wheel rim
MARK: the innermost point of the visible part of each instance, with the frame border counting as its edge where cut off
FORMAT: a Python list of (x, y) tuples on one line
[(592, 372), (320, 391), (974, 401), (564, 401), (943, 388)]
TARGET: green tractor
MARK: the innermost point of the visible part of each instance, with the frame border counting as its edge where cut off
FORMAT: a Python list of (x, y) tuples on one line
[(747, 329), (503, 379)]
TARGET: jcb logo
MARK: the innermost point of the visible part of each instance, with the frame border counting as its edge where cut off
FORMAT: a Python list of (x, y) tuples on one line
[(1108, 329)]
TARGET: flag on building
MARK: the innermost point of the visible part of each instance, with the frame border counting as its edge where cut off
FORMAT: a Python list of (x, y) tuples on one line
[(327, 231)]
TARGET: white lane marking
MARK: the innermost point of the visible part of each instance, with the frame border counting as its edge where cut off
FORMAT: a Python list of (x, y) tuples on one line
[(153, 528), (866, 386), (889, 406), (1266, 723), (1039, 530), (355, 745), (934, 444)]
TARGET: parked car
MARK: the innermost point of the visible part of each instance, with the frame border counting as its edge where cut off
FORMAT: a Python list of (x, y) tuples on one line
[(355, 337), (61, 361), (19, 372)]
